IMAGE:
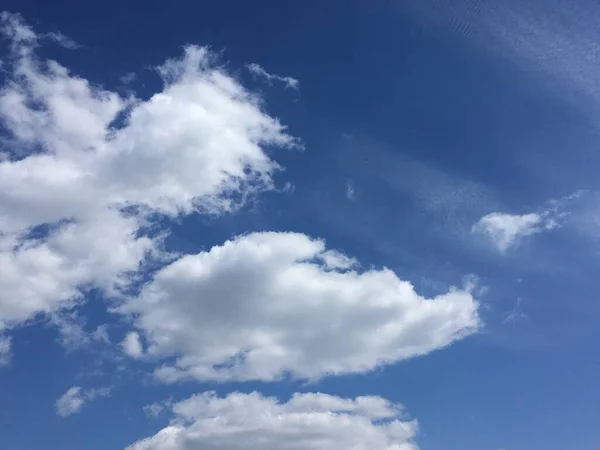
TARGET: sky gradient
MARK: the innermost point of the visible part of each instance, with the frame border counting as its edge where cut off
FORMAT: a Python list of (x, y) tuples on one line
[(299, 225)]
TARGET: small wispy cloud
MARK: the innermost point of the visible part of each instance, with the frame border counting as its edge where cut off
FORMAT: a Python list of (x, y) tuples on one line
[(556, 39), (515, 314), (70, 327), (505, 230), (13, 27), (350, 191), (72, 333), (155, 409), (5, 346), (62, 40), (100, 334), (128, 78), (72, 401), (258, 70)]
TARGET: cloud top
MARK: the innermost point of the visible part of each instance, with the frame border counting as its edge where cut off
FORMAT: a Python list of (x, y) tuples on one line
[(311, 421)]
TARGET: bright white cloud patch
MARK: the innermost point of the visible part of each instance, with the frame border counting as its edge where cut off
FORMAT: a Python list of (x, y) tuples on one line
[(78, 154), (305, 422), (504, 230), (132, 345), (269, 304), (75, 398)]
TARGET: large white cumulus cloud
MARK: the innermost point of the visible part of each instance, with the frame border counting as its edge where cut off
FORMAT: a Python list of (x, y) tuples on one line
[(67, 173), (305, 422), (267, 305)]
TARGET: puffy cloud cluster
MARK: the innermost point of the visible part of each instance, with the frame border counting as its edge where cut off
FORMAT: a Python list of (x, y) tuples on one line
[(307, 421), (83, 170), (267, 305), (82, 167)]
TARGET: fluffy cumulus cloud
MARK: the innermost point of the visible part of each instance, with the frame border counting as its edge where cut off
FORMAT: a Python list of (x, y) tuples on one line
[(505, 230), (82, 166), (268, 305), (72, 401), (305, 422)]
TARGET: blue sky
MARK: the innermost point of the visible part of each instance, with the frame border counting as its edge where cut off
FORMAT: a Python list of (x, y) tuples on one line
[(299, 225)]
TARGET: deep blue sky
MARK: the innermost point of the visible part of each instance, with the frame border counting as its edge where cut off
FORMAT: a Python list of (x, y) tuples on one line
[(435, 118)]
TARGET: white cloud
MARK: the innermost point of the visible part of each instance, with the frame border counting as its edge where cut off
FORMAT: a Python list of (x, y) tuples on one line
[(307, 421), (66, 173), (504, 230), (154, 409), (71, 328), (5, 346), (132, 345), (257, 70), (13, 28), (269, 304), (71, 402), (333, 260), (75, 398)]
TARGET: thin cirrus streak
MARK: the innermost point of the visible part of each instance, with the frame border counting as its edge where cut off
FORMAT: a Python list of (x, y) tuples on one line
[(556, 41)]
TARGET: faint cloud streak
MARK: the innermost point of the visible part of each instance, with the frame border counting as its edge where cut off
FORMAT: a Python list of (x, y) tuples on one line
[(258, 70)]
